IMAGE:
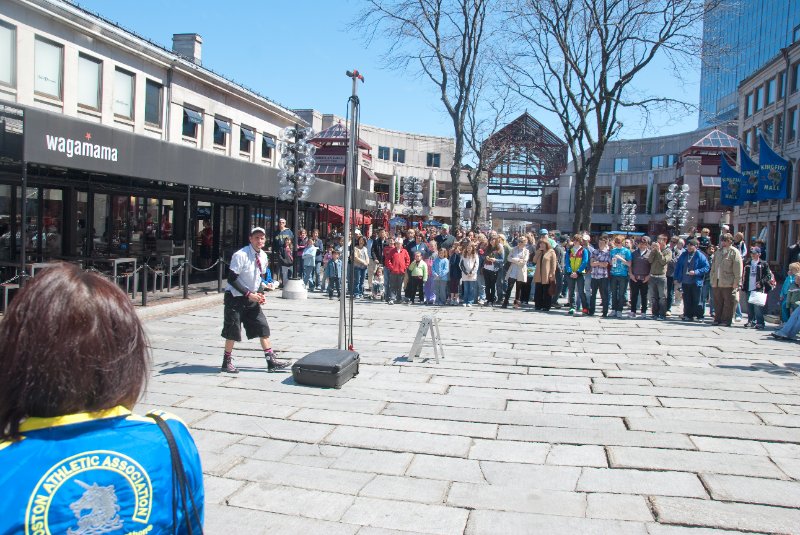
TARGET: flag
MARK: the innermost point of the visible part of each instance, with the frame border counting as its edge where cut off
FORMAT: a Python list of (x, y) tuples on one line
[(732, 181), (773, 173), (749, 170), (613, 194), (649, 201)]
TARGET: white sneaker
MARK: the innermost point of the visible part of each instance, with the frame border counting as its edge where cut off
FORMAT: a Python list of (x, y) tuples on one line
[(631, 314), (738, 320)]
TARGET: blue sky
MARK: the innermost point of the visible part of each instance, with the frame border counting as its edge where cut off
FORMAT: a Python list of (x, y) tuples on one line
[(296, 53)]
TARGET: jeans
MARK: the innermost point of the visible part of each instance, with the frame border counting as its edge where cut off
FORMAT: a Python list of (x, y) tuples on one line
[(333, 282), (481, 286), (440, 287), (512, 283), (587, 289), (470, 291), (638, 290), (318, 275), (618, 287), (491, 285), (670, 292), (657, 288), (792, 326), (755, 314), (386, 281), (602, 286), (308, 275), (393, 292), (692, 308), (358, 287), (572, 284), (707, 297)]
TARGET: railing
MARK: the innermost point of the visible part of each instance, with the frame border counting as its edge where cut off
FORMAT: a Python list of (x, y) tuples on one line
[(514, 207), (444, 203)]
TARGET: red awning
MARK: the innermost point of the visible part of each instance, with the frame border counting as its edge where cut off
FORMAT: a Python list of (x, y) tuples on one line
[(336, 215)]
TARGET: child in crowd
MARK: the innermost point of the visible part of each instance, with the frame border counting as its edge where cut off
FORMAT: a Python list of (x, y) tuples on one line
[(326, 258), (790, 291), (441, 275), (334, 273), (377, 284), (455, 274)]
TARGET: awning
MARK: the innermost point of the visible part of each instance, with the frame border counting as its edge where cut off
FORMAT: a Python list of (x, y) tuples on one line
[(329, 170), (224, 126), (710, 181), (337, 213), (269, 142), (366, 172), (248, 134), (194, 116)]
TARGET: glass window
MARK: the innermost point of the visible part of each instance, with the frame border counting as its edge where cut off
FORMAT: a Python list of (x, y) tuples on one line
[(433, 159), (383, 153), (52, 223), (792, 125), (781, 84), (246, 136), (759, 98), (769, 131), (795, 77), (8, 54), (48, 68), (267, 145), (770, 92), (123, 94), (748, 105), (9, 225), (152, 103), (221, 130), (89, 81), (672, 159), (191, 118), (101, 228), (620, 165), (657, 162), (399, 156)]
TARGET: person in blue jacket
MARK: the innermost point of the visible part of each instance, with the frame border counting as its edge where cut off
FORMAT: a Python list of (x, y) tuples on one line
[(74, 458), (690, 271), (575, 267)]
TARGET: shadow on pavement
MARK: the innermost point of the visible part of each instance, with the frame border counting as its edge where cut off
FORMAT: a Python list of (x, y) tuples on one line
[(790, 368)]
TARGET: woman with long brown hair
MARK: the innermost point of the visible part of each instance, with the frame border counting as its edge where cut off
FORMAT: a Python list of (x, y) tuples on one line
[(545, 275), (75, 362)]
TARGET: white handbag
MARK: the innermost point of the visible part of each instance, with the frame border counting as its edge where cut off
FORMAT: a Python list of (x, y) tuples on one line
[(757, 298)]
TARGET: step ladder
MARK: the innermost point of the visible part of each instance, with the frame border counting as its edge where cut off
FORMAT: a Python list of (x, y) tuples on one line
[(427, 325)]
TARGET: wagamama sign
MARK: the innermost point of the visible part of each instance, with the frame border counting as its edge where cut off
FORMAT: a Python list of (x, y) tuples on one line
[(77, 147)]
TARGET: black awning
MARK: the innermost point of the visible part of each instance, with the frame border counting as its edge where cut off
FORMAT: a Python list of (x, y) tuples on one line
[(194, 116), (224, 126), (248, 134), (269, 142)]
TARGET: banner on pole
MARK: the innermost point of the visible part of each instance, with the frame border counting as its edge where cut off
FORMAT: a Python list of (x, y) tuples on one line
[(731, 183), (749, 170), (773, 173), (649, 202)]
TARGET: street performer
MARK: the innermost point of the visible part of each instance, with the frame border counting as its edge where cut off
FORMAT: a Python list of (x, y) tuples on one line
[(243, 300)]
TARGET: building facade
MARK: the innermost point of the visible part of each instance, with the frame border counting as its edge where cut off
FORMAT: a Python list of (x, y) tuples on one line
[(129, 148), (769, 103), (639, 172), (739, 37)]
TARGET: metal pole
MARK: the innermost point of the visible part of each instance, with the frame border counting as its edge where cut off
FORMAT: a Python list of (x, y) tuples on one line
[(350, 177), (23, 225), (187, 250), (144, 283), (296, 207)]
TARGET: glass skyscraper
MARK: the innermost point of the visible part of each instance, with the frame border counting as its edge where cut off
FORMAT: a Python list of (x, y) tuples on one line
[(738, 38)]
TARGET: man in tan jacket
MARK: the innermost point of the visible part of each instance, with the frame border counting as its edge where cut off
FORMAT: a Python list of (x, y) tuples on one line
[(726, 277)]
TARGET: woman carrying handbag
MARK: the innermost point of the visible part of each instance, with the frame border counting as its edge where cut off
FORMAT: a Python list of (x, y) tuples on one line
[(757, 282)]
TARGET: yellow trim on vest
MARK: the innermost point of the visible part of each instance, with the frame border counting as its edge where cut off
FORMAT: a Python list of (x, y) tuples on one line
[(34, 423), (8, 443)]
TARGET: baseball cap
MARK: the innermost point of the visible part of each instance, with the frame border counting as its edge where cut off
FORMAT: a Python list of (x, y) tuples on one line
[(756, 250), (258, 229), (543, 231), (586, 237), (445, 227)]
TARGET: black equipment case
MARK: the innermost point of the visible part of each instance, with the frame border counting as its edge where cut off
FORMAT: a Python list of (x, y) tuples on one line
[(329, 368)]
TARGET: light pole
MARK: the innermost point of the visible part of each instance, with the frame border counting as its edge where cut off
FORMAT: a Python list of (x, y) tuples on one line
[(412, 197), (296, 177), (628, 219), (677, 214)]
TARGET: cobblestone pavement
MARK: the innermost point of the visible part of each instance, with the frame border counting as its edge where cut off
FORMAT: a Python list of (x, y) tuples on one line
[(534, 423)]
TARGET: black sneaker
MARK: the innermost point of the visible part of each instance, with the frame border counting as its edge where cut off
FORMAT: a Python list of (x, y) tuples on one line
[(273, 364), (227, 365)]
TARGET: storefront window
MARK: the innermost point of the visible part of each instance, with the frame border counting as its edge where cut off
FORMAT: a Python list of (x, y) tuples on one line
[(81, 243), (52, 232), (120, 224), (8, 243), (167, 212), (101, 227)]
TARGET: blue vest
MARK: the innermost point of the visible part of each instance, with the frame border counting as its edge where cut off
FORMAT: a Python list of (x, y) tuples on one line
[(102, 472)]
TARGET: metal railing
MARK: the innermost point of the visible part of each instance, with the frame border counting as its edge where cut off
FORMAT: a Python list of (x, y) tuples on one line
[(515, 207)]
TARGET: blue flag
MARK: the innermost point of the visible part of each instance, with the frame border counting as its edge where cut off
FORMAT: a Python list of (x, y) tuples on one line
[(773, 173), (749, 171), (732, 180)]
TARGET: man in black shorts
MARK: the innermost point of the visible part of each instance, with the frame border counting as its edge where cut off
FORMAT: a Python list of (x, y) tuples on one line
[(243, 302)]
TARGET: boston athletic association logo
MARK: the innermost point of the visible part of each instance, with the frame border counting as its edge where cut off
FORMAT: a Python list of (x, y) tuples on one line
[(116, 496)]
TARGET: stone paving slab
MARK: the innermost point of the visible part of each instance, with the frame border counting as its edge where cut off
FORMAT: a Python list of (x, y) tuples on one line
[(532, 423)]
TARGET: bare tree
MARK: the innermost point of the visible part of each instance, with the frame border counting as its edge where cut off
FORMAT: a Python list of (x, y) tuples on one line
[(579, 58), (490, 109), (443, 40)]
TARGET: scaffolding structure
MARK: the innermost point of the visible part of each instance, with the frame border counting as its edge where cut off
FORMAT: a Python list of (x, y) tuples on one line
[(523, 158)]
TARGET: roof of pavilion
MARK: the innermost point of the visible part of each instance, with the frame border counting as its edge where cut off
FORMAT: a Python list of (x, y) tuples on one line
[(337, 134)]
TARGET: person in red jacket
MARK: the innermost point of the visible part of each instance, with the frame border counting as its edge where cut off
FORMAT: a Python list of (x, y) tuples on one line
[(397, 261)]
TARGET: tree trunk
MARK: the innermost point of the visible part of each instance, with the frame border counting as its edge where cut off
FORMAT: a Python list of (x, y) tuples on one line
[(476, 204), (455, 175)]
